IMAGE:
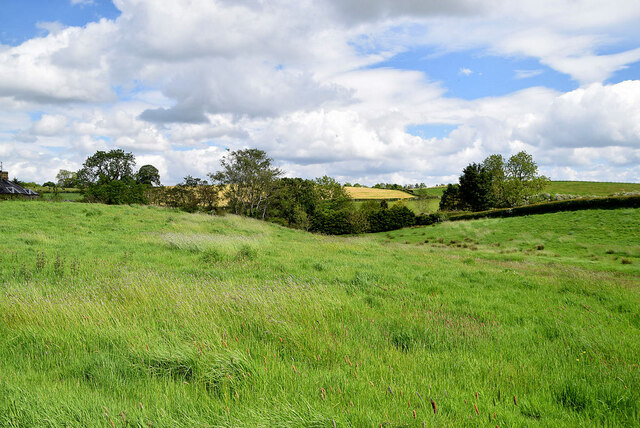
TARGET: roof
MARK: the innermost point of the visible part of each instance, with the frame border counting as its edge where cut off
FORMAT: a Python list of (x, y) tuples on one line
[(9, 188)]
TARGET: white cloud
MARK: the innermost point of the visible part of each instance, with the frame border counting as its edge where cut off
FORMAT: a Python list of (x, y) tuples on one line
[(178, 84), (525, 74)]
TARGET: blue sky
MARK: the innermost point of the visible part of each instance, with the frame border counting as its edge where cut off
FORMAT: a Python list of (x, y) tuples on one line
[(20, 18), (314, 84), (475, 74)]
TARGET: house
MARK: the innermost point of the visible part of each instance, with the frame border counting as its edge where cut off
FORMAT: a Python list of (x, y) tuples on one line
[(9, 189)]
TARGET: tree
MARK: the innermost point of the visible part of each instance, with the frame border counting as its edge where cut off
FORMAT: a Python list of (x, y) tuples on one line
[(190, 181), (495, 167), (293, 202), (330, 189), (66, 178), (451, 199), (108, 177), (114, 165), (475, 187), (522, 180), (249, 180), (149, 175)]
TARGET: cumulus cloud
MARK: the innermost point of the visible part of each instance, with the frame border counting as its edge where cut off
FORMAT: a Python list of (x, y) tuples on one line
[(594, 116), (179, 84)]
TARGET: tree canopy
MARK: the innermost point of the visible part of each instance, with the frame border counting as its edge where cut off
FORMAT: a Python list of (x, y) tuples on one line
[(149, 175), (249, 178)]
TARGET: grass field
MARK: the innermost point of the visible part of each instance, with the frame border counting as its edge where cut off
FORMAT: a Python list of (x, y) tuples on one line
[(590, 188), (142, 316), (71, 196)]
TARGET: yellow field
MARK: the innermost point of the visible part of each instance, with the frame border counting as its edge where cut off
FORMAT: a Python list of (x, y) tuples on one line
[(368, 193)]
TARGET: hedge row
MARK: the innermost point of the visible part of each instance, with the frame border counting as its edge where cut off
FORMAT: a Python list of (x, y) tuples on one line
[(611, 202)]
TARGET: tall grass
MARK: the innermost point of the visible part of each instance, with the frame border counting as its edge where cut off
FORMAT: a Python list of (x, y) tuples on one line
[(115, 316)]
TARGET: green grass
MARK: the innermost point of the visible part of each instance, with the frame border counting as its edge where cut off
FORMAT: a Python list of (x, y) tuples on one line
[(606, 240), (62, 196), (590, 188), (422, 206), (130, 316), (433, 191)]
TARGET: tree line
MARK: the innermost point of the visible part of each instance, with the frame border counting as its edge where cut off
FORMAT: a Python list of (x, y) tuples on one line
[(248, 184), (494, 183)]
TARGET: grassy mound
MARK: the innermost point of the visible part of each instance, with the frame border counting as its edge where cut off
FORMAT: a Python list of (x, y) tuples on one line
[(127, 316)]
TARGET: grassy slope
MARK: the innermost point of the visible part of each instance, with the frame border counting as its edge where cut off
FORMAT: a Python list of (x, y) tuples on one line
[(154, 316), (590, 188)]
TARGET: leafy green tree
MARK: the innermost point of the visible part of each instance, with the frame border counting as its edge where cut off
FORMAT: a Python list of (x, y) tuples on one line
[(294, 201), (522, 180), (249, 179), (114, 165), (108, 177), (475, 187), (190, 181), (330, 189), (494, 165), (451, 199), (66, 179), (149, 175)]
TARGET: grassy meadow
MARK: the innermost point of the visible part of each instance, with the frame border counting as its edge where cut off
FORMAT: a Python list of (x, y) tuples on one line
[(143, 316), (590, 188)]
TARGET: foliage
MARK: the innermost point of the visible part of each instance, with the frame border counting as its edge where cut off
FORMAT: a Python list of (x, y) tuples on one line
[(396, 217), (190, 181), (522, 180), (451, 199), (149, 175), (249, 180), (494, 183), (103, 167), (329, 189), (186, 196), (116, 192), (66, 179), (343, 220), (108, 177), (475, 187), (294, 202)]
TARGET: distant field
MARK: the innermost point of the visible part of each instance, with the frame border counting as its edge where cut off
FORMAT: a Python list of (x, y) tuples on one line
[(422, 206), (590, 188), (434, 191), (144, 316), (61, 196), (370, 193)]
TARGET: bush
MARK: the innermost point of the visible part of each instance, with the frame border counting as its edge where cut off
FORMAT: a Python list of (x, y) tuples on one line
[(429, 219), (116, 192), (343, 221), (393, 218)]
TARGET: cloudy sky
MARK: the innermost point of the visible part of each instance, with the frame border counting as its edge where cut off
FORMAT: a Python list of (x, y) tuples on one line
[(365, 91)]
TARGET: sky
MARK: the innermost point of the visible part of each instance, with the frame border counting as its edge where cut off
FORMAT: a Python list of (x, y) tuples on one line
[(403, 91)]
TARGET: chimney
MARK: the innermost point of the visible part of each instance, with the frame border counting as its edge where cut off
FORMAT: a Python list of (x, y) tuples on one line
[(4, 174)]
